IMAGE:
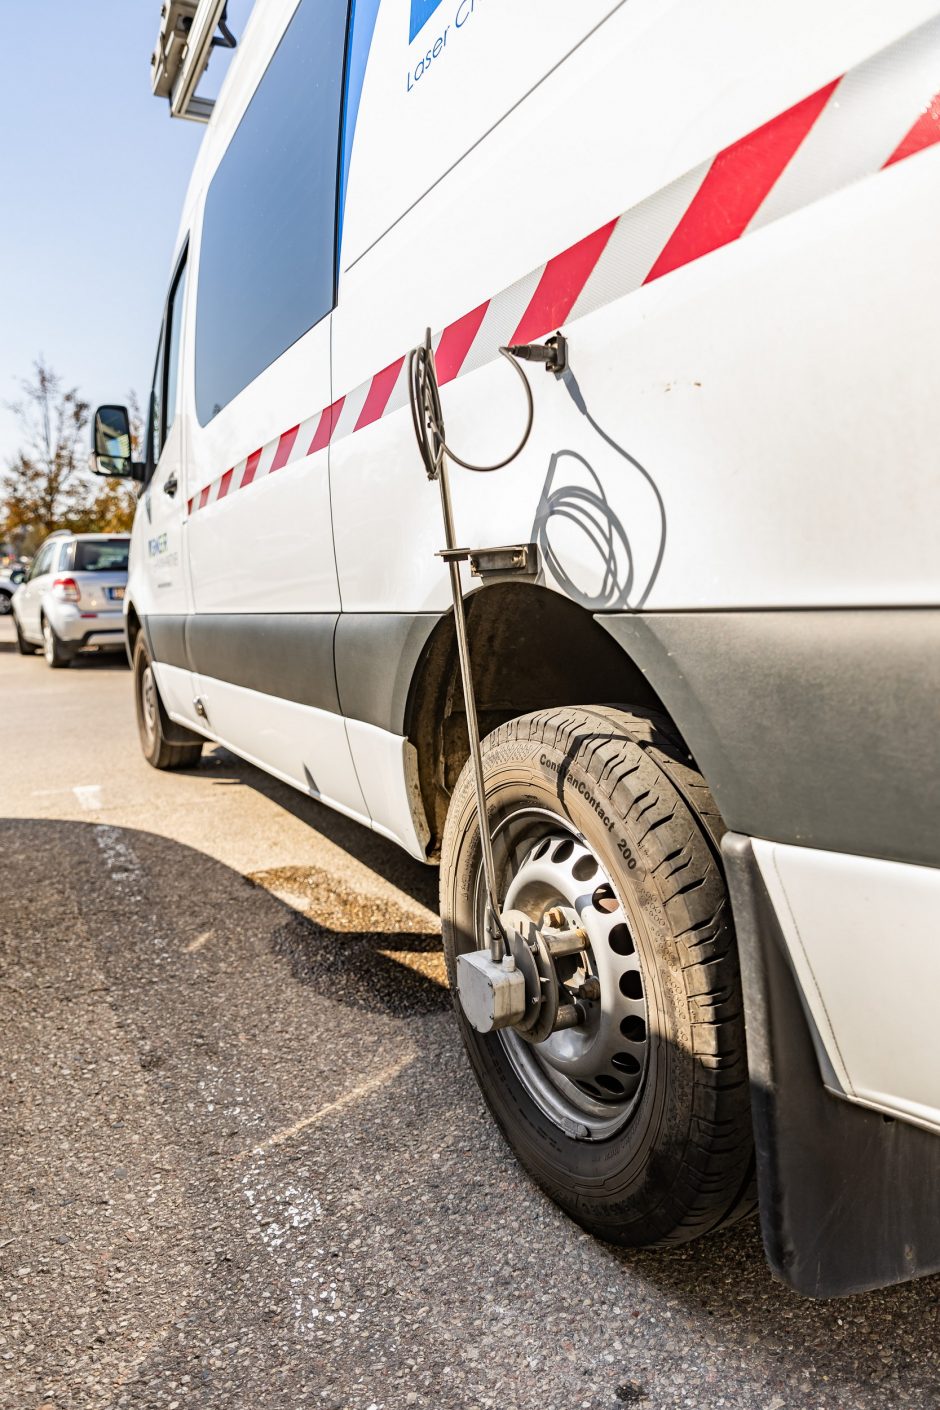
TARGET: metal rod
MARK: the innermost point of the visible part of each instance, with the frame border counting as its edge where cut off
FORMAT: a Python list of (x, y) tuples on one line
[(499, 950)]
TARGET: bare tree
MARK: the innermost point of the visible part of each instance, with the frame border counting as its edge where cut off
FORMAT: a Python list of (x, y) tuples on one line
[(44, 487)]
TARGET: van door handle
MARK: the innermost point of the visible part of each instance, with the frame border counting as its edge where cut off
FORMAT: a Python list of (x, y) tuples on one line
[(170, 486)]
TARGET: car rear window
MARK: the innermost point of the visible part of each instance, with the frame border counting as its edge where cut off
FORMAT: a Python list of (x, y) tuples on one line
[(101, 555)]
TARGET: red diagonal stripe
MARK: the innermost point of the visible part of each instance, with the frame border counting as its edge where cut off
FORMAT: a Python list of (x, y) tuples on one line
[(736, 183), (189, 507), (562, 280), (924, 133), (378, 394), (284, 447), (204, 497), (328, 419), (224, 483), (456, 341), (251, 467)]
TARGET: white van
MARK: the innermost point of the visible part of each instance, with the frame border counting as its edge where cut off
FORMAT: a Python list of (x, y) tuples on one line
[(707, 673)]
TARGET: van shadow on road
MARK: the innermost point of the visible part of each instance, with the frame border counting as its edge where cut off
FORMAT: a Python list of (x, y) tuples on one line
[(219, 1093)]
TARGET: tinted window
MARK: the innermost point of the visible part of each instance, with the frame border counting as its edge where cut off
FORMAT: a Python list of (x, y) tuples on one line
[(154, 427), (166, 371), (174, 315), (101, 555), (266, 266)]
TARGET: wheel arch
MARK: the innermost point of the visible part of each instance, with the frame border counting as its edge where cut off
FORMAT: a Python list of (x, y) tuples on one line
[(530, 649), (132, 629)]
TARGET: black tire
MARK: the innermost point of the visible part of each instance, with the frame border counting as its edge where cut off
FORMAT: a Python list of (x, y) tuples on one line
[(26, 648), (54, 651), (161, 739), (681, 1162)]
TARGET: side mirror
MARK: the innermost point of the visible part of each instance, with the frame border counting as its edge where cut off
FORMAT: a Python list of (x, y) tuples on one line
[(111, 445)]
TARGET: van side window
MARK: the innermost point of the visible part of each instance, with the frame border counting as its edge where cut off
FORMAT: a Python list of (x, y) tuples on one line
[(166, 371), (154, 438), (267, 262), (171, 338)]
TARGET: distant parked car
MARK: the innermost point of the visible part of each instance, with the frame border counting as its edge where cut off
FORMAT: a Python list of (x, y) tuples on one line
[(10, 579), (72, 596)]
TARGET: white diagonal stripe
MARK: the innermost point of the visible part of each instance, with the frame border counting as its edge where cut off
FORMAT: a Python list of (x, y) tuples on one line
[(304, 436), (501, 320), (638, 239), (399, 397), (349, 415), (872, 108), (267, 456)]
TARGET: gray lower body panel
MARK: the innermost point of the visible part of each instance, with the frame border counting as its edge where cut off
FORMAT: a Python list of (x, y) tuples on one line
[(812, 727), (377, 654), (287, 654)]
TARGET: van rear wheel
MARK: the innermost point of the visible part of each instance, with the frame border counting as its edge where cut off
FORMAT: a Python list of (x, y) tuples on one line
[(154, 725), (637, 1120)]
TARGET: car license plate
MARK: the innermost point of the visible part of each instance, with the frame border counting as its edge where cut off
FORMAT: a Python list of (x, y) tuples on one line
[(116, 594)]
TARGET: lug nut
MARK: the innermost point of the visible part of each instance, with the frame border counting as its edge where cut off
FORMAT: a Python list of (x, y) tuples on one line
[(590, 988), (554, 918)]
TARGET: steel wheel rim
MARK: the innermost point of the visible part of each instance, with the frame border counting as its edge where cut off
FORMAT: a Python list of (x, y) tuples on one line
[(542, 860), (148, 703), (6, 606), (48, 649)]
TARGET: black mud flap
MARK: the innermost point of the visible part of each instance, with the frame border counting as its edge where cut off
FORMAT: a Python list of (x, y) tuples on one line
[(849, 1199)]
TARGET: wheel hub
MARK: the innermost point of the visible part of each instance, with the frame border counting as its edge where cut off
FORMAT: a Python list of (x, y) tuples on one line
[(149, 701), (579, 1041)]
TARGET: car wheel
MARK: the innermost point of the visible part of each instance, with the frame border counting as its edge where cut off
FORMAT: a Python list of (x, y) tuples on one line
[(636, 1120), (26, 648), (53, 648), (160, 737), (6, 603)]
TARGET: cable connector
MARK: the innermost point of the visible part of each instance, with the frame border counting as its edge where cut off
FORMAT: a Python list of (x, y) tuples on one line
[(553, 352)]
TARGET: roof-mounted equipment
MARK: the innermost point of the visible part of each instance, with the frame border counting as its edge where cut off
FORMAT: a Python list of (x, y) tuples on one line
[(189, 31)]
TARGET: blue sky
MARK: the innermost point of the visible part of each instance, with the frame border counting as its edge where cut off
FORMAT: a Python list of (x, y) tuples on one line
[(92, 177)]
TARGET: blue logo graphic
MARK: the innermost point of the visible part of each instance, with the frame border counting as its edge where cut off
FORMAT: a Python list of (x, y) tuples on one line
[(421, 12)]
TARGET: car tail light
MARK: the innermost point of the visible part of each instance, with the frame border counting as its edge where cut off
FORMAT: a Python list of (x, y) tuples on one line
[(67, 589)]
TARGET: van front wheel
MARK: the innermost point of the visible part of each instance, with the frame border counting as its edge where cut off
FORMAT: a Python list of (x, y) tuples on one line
[(636, 1120), (153, 723)]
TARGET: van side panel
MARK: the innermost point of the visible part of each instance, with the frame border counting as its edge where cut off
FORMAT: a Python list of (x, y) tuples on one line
[(687, 383), (749, 424)]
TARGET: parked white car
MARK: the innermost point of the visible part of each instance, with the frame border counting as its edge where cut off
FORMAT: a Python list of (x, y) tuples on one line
[(72, 598), (10, 579), (706, 652)]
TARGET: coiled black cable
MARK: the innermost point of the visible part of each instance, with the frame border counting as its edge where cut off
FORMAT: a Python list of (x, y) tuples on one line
[(428, 417)]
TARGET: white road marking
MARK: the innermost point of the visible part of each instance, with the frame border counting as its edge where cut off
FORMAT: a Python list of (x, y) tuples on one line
[(199, 941), (348, 1099), (89, 796), (120, 860)]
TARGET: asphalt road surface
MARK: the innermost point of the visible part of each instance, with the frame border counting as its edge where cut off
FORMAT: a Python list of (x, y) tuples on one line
[(244, 1163)]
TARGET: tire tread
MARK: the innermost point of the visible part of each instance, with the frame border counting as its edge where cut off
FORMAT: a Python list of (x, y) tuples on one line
[(715, 1184)]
